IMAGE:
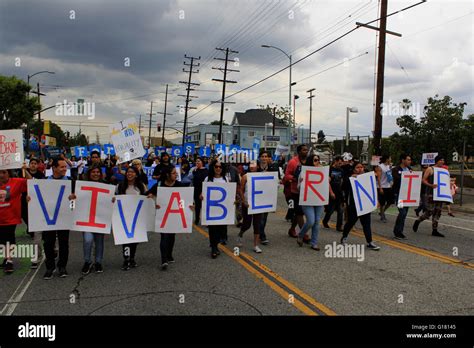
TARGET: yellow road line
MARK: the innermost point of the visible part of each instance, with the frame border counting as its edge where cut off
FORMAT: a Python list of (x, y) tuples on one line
[(407, 247), (275, 287)]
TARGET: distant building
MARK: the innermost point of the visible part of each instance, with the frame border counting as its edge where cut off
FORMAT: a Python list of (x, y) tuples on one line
[(245, 127)]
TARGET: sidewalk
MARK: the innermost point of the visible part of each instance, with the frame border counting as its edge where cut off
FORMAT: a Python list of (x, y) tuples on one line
[(467, 201)]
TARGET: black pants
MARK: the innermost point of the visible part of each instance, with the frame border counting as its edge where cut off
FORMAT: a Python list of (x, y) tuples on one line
[(132, 250), (247, 221), (7, 235), (166, 246), (49, 241), (216, 234), (351, 221), (197, 207), (334, 205)]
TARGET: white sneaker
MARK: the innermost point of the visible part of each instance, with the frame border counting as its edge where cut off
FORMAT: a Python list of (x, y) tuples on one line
[(239, 242), (257, 250)]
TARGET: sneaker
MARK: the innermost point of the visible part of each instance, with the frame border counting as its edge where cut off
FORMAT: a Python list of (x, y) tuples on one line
[(62, 272), (299, 240), (372, 246), (239, 242), (315, 247), (292, 233), (213, 254), (126, 265), (86, 269), (164, 266), (49, 274), (400, 236), (98, 268), (8, 267), (265, 242), (343, 241), (170, 260), (325, 225), (415, 225), (435, 233), (257, 250), (133, 264), (34, 265)]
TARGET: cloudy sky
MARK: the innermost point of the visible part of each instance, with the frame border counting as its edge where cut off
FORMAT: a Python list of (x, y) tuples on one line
[(87, 44)]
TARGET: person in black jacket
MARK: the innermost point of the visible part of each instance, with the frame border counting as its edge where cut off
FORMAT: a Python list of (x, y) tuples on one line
[(405, 162), (198, 174), (352, 217)]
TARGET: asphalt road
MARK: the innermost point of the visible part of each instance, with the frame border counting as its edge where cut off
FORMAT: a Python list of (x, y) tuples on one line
[(423, 275)]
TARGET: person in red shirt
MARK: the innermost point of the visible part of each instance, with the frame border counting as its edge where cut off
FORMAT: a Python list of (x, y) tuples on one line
[(10, 212), (291, 177)]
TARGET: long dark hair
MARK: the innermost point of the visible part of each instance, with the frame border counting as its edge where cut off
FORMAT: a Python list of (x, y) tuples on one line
[(89, 171), (166, 173), (123, 186), (212, 170)]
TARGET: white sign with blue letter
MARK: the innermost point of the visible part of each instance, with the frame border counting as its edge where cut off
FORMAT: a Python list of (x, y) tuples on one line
[(129, 219), (49, 205), (126, 140), (443, 191), (364, 190), (218, 206), (262, 189)]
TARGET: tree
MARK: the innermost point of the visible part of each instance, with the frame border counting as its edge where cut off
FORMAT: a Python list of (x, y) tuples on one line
[(216, 123), (16, 108), (281, 112), (440, 129), (55, 131)]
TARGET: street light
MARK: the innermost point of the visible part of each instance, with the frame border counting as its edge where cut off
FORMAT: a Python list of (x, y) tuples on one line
[(294, 111), (289, 84), (302, 133), (37, 73), (349, 109), (265, 137)]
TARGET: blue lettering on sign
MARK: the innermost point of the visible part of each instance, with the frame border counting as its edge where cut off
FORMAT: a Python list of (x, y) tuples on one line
[(215, 203), (131, 233), (440, 195), (371, 198), (254, 193), (128, 132), (50, 221)]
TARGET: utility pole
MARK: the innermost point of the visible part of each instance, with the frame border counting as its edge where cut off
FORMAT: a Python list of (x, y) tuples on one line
[(140, 125), (311, 96), (224, 82), (164, 117), (274, 119), (149, 129), (380, 73), (40, 130), (188, 90)]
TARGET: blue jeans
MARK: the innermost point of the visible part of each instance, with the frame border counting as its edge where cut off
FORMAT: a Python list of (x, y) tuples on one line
[(98, 239), (313, 215), (400, 223)]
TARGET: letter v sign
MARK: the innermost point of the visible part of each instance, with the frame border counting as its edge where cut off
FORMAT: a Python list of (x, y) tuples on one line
[(50, 221), (131, 233)]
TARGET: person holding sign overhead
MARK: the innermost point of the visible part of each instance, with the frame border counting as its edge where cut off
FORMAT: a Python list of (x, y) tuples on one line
[(131, 185), (358, 169), (433, 208)]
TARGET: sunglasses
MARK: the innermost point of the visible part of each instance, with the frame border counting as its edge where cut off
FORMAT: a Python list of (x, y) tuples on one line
[(316, 160), (218, 167)]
